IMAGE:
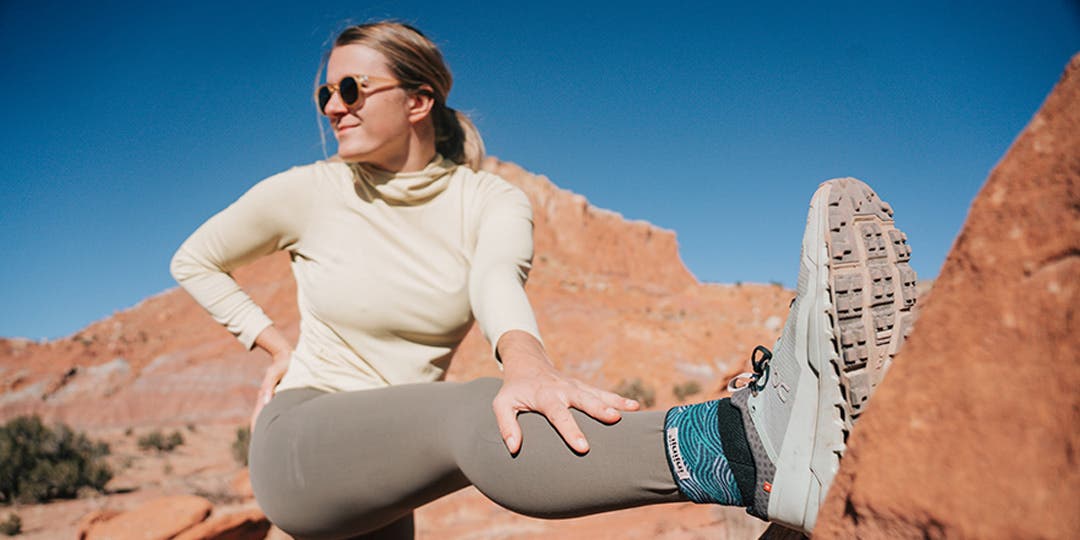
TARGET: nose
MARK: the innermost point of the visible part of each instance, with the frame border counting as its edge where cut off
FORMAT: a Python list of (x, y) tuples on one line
[(336, 108)]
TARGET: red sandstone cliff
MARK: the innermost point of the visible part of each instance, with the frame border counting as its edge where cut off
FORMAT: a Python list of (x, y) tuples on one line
[(975, 431)]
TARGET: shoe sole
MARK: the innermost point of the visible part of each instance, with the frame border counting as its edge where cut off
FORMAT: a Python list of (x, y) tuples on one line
[(872, 289), (861, 291)]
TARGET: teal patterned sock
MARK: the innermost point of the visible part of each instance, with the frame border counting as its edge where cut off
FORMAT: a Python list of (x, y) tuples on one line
[(696, 456)]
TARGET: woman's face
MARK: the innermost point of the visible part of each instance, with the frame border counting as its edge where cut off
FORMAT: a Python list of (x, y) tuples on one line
[(377, 132)]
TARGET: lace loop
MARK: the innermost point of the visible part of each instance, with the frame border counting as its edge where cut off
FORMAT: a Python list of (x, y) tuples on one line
[(759, 360)]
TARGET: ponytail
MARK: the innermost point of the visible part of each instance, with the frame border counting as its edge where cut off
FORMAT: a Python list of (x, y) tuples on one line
[(456, 137)]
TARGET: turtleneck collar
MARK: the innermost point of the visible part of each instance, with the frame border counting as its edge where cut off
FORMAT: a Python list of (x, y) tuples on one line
[(406, 187)]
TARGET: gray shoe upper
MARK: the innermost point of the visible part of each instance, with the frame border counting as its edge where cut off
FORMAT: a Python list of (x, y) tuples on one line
[(764, 468)]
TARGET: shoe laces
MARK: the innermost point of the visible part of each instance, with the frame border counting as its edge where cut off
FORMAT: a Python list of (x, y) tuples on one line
[(756, 380)]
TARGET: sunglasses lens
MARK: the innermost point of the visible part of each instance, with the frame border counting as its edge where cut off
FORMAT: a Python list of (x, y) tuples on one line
[(324, 97), (350, 92)]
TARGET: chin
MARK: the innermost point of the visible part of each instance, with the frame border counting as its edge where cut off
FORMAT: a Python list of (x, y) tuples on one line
[(350, 152), (350, 156)]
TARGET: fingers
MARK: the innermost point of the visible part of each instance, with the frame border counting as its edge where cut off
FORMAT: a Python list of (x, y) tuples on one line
[(617, 401), (611, 399), (556, 412), (266, 392), (553, 396), (506, 418), (568, 429), (593, 405)]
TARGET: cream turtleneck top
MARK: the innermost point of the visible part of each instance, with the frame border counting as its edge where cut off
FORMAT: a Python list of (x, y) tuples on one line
[(391, 268)]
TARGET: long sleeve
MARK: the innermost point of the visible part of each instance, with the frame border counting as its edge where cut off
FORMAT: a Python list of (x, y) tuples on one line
[(271, 216), (501, 264)]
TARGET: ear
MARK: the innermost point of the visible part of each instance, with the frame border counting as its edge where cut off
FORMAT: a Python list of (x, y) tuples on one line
[(420, 103)]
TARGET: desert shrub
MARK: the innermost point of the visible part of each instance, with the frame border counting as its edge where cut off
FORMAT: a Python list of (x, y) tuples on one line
[(156, 440), (636, 390), (174, 440), (38, 463), (12, 525), (686, 389), (240, 445)]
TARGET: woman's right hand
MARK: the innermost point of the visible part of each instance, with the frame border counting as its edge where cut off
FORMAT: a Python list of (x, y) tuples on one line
[(273, 376)]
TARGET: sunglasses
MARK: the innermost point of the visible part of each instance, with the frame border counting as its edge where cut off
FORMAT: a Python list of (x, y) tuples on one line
[(353, 90)]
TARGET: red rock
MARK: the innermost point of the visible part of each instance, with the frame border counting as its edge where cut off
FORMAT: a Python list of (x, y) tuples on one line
[(974, 434), (248, 525), (241, 484), (88, 520), (161, 518)]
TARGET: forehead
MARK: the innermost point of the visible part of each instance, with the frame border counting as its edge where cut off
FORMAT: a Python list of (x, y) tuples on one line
[(356, 60)]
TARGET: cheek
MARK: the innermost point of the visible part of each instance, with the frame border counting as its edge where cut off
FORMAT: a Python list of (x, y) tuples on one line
[(387, 121), (386, 110)]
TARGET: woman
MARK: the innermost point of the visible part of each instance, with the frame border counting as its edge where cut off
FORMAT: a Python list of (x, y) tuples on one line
[(400, 241)]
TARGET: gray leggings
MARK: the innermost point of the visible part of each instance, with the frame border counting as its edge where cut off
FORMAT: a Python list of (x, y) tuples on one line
[(356, 464)]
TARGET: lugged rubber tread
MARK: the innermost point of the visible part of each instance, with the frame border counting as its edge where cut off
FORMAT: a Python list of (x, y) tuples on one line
[(852, 310), (872, 291)]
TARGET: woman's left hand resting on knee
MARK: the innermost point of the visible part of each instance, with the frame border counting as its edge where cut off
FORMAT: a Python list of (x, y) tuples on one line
[(531, 383)]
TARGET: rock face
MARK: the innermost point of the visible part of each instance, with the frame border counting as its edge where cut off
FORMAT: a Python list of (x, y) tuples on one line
[(160, 518), (974, 434), (180, 517), (248, 525)]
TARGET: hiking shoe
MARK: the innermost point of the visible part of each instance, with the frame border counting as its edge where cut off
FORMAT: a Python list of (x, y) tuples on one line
[(852, 310)]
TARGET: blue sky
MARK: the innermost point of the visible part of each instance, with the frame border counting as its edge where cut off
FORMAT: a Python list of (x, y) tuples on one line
[(125, 125)]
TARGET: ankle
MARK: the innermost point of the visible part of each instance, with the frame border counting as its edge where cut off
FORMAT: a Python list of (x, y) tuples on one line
[(696, 455), (737, 448)]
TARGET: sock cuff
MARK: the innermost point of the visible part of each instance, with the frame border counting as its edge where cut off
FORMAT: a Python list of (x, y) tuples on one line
[(696, 457)]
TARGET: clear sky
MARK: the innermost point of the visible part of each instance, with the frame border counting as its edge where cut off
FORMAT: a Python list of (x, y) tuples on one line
[(127, 124)]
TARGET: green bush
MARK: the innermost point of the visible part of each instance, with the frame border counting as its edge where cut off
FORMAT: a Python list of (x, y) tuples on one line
[(38, 463), (240, 445), (12, 525), (686, 389), (156, 440), (636, 390), (174, 440)]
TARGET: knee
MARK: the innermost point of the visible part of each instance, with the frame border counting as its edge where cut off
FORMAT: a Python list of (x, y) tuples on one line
[(470, 419), (484, 386), (474, 412), (478, 394)]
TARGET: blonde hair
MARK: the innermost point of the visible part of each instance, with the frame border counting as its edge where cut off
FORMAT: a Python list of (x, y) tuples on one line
[(417, 62)]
